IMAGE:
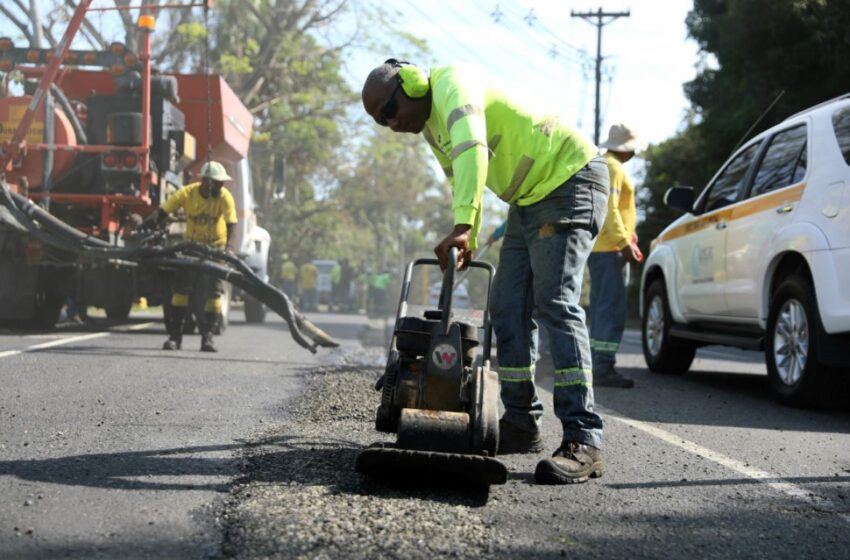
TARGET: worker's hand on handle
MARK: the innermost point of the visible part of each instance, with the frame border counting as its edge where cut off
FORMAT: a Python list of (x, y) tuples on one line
[(459, 237)]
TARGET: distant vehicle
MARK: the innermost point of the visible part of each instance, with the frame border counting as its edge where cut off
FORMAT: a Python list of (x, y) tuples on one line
[(761, 259), (324, 284)]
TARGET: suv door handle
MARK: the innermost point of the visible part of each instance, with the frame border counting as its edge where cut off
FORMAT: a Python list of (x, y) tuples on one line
[(721, 225), (784, 209)]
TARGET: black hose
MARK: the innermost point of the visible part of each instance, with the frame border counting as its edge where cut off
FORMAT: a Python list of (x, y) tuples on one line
[(60, 96), (282, 307), (51, 222), (55, 233)]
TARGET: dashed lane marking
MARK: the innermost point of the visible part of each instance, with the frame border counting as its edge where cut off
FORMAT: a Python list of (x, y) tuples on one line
[(773, 481), (70, 340)]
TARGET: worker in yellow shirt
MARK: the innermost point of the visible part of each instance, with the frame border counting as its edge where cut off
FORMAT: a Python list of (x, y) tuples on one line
[(210, 219), (288, 275), (309, 278), (615, 249)]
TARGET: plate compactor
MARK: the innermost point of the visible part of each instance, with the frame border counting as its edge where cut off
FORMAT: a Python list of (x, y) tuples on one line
[(441, 401)]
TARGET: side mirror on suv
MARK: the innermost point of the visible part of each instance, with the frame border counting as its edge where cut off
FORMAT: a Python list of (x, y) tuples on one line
[(680, 198)]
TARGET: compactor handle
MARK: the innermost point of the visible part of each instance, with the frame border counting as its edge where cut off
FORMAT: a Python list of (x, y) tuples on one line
[(447, 291)]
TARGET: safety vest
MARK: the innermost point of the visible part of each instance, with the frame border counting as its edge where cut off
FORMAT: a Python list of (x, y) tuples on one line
[(481, 137)]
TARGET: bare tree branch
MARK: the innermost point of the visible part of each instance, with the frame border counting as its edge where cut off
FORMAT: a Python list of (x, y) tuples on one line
[(18, 23), (91, 29)]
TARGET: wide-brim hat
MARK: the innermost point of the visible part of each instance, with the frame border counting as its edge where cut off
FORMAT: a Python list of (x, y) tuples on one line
[(215, 171), (621, 138)]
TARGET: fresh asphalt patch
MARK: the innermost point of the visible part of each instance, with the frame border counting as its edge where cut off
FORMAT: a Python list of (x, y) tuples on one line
[(663, 496), (300, 497)]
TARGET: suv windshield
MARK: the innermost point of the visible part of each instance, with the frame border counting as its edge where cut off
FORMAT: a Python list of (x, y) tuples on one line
[(841, 124)]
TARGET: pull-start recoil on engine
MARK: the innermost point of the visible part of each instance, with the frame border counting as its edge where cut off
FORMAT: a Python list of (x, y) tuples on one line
[(440, 401)]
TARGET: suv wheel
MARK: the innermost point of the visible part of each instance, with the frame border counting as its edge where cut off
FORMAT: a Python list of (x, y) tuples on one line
[(791, 346), (663, 353)]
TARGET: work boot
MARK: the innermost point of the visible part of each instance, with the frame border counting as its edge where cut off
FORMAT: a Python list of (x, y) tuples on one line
[(573, 462), (613, 378), (207, 343), (210, 322), (175, 329), (516, 440)]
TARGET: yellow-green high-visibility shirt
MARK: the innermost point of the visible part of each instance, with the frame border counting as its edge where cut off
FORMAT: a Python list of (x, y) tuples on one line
[(481, 137)]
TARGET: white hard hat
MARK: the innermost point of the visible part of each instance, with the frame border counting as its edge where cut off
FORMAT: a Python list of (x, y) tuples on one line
[(215, 171)]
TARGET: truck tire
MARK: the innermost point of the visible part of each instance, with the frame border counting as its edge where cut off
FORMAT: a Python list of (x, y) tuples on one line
[(663, 353), (255, 311), (791, 351), (119, 311), (48, 306)]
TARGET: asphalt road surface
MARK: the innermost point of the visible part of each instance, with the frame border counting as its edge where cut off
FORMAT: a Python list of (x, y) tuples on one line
[(110, 447)]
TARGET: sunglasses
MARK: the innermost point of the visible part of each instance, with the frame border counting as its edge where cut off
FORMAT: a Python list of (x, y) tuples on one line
[(390, 108)]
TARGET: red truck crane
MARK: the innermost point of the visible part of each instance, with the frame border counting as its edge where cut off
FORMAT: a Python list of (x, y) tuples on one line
[(100, 140)]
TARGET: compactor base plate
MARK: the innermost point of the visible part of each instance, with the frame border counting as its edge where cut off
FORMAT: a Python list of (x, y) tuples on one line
[(386, 462)]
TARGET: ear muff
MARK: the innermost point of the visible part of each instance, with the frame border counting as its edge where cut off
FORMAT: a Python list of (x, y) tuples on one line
[(414, 81)]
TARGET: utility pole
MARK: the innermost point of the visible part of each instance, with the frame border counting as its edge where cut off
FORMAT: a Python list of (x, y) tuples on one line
[(602, 19)]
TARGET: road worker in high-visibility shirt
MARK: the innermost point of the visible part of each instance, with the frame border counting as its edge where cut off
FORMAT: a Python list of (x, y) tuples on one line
[(309, 276), (557, 187), (288, 276), (210, 219), (615, 250)]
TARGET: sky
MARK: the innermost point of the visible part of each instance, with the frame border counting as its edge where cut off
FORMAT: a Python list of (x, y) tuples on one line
[(648, 55), (547, 58)]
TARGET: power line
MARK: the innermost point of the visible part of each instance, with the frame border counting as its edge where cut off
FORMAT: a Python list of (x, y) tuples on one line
[(514, 23), (602, 19)]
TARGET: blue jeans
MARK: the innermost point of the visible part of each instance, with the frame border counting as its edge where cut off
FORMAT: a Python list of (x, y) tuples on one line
[(609, 278), (541, 266)]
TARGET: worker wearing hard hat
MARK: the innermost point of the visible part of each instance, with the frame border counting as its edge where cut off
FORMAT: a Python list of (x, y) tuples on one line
[(614, 251), (288, 275), (557, 189), (210, 219)]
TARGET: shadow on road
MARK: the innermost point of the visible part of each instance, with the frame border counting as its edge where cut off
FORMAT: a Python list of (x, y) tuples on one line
[(124, 471)]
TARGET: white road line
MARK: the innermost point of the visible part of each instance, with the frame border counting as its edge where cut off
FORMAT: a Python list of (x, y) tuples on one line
[(776, 482), (68, 340)]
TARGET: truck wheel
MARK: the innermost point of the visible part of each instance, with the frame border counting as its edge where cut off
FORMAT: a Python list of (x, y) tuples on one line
[(663, 353), (791, 345), (255, 311), (48, 306), (119, 311)]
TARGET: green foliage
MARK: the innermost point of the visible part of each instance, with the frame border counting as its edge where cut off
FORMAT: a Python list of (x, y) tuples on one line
[(351, 190), (761, 48)]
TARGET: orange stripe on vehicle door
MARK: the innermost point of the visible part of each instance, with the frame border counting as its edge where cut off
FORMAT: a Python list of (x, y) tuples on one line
[(786, 195)]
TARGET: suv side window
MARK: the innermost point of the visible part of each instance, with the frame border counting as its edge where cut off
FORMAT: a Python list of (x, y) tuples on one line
[(727, 187), (784, 162), (841, 124)]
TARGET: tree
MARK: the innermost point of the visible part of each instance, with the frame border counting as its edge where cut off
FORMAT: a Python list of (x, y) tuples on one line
[(761, 48)]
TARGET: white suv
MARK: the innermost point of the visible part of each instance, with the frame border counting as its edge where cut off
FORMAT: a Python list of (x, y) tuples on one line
[(761, 260)]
